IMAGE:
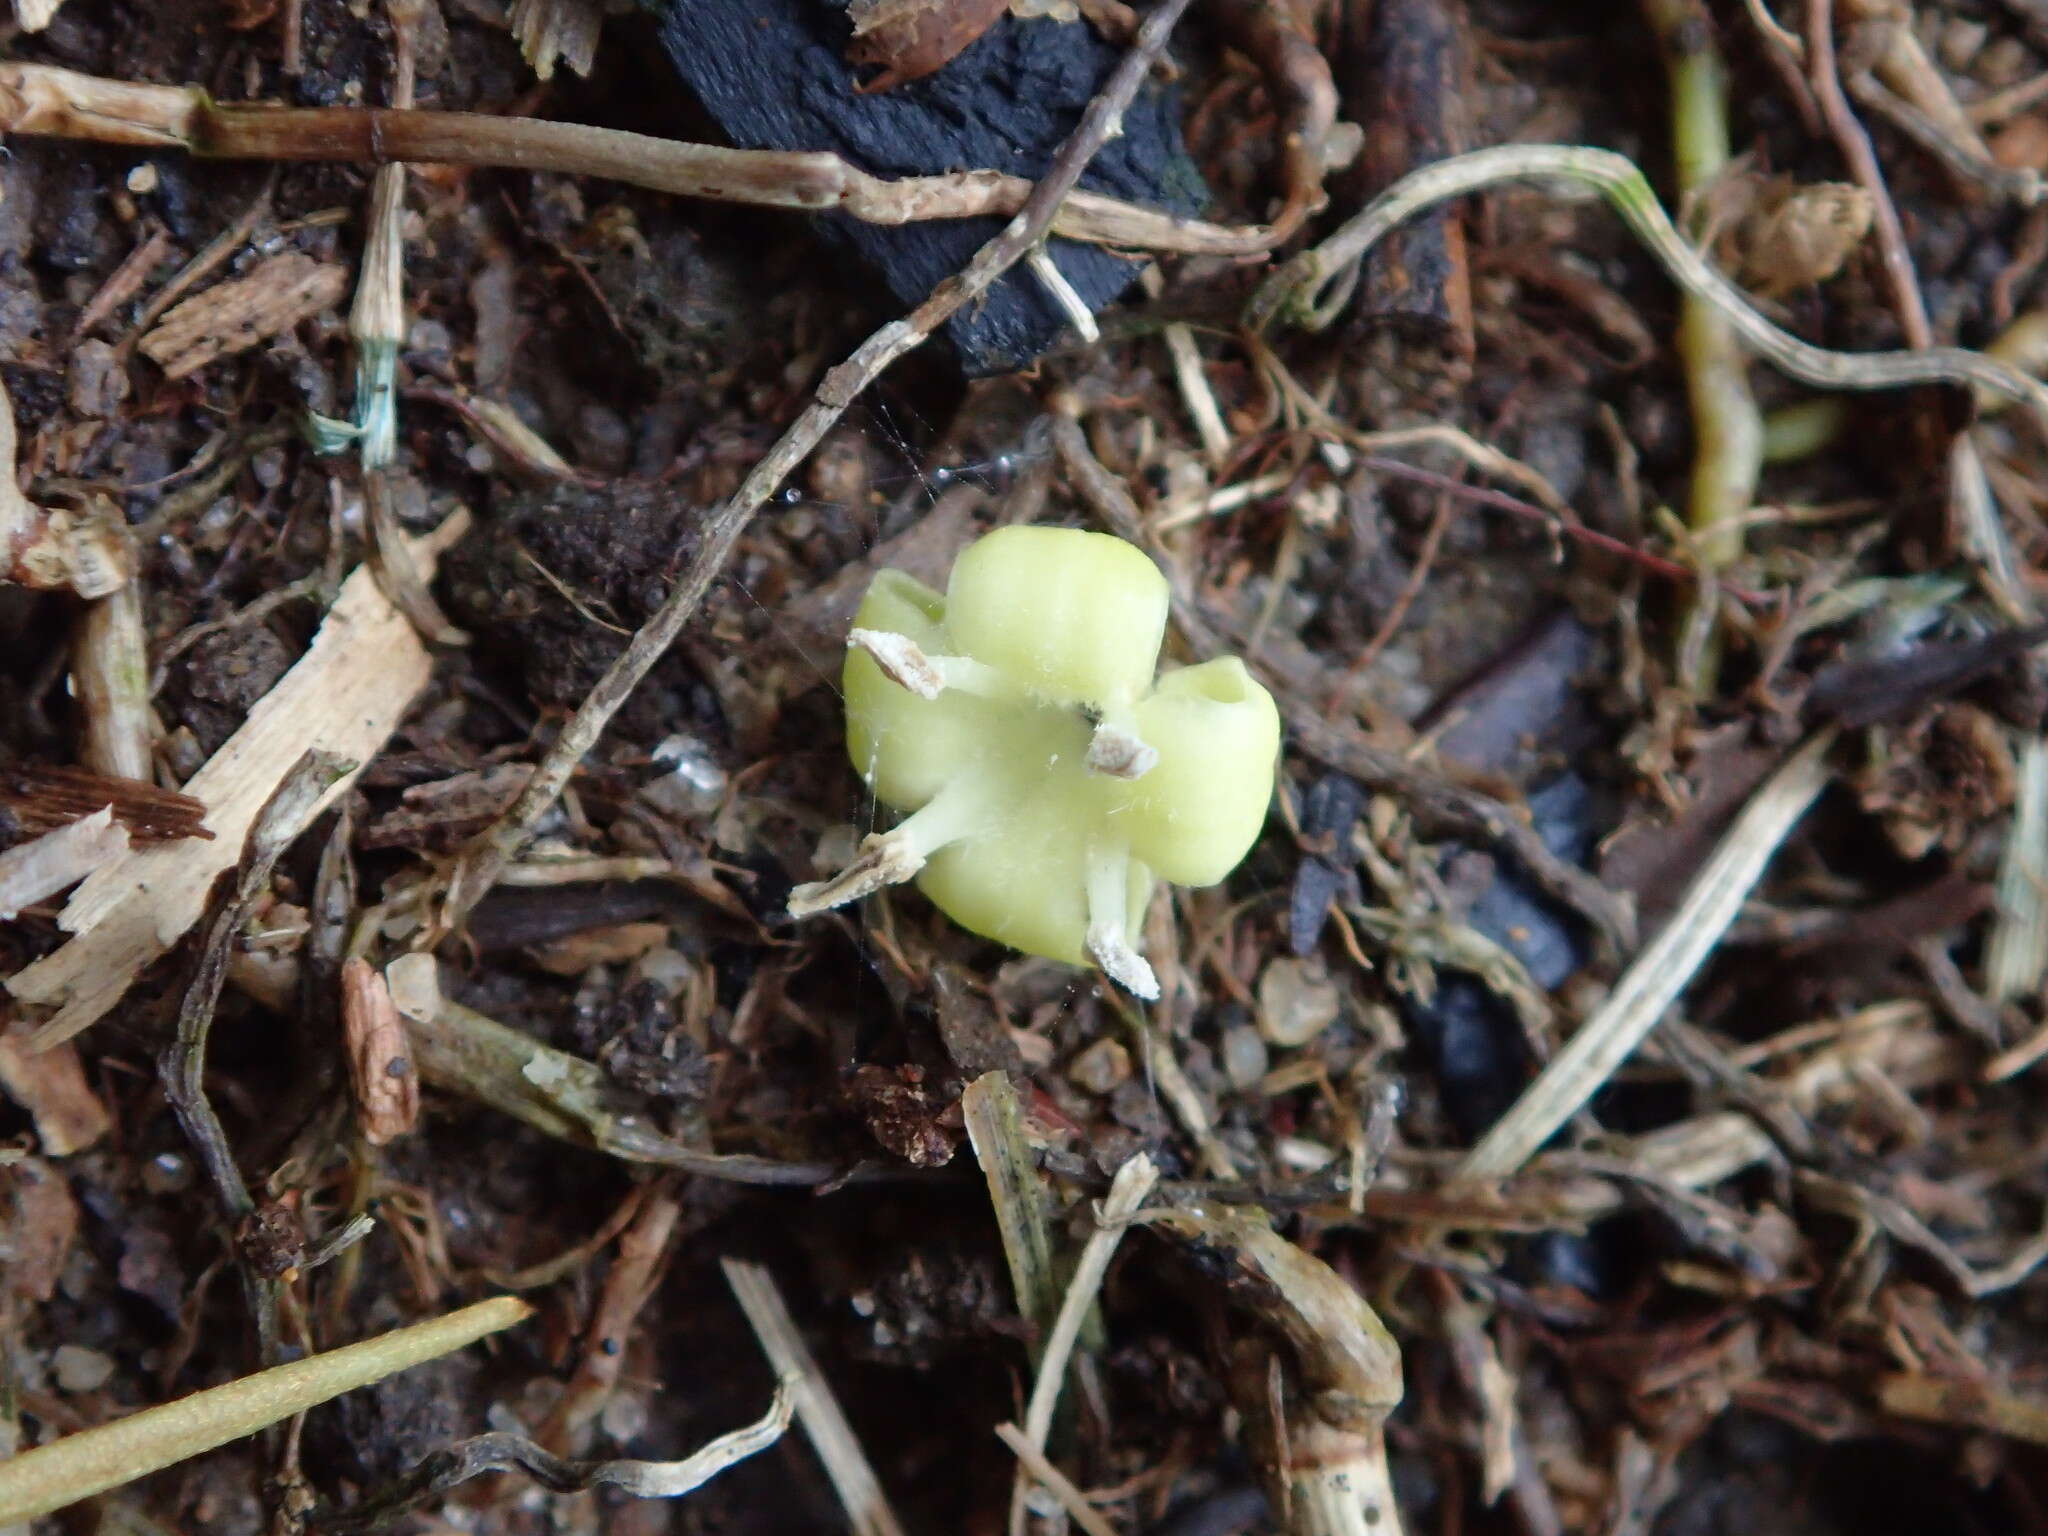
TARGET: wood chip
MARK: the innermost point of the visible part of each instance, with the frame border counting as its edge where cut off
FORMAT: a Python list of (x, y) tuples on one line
[(234, 316), (344, 696), (380, 1067), (51, 1086), (33, 870), (548, 30), (43, 797)]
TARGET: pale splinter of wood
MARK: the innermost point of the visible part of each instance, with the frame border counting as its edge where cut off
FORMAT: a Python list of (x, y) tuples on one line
[(344, 696), (94, 1460), (33, 870), (1660, 973), (824, 1421)]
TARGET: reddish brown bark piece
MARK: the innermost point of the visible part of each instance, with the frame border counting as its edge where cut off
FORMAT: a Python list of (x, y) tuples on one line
[(910, 39), (42, 797)]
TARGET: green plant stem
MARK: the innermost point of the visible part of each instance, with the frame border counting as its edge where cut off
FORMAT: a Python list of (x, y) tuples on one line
[(1727, 428)]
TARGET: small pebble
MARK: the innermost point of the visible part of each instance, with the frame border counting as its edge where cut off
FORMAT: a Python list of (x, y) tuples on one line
[(1244, 1057), (1103, 1068), (98, 381), (1297, 1002), (78, 1369)]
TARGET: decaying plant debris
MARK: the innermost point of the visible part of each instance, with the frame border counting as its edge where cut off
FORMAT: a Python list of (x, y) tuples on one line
[(1608, 1098)]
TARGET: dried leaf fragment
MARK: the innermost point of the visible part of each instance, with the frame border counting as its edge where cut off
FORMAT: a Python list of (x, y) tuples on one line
[(49, 549), (910, 39), (51, 1086), (40, 1224), (234, 316)]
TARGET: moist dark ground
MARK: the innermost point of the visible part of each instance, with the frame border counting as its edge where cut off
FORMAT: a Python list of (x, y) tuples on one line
[(659, 345)]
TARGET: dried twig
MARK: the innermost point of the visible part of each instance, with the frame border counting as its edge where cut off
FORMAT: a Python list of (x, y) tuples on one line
[(1127, 1192), (94, 1460), (1302, 290), (39, 99), (1323, 1442), (478, 866), (299, 798), (1657, 976), (860, 1493), (628, 1286)]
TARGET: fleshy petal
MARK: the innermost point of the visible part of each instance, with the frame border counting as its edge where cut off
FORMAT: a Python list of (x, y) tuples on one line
[(1199, 810), (1077, 617)]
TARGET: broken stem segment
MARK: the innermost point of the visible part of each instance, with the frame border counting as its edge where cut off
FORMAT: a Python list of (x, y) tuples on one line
[(890, 858), (1109, 884)]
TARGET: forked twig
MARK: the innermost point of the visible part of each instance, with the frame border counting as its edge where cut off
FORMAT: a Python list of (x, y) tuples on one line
[(478, 866)]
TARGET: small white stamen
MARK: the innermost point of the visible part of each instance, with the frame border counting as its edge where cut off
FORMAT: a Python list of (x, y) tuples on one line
[(1123, 964), (890, 858), (885, 860), (902, 661), (1120, 753), (1109, 868)]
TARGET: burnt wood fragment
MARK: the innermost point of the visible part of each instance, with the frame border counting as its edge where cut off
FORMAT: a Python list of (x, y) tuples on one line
[(775, 75)]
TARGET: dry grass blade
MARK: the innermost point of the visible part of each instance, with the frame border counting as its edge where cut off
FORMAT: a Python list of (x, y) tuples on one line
[(2016, 957), (1127, 1192), (995, 1128), (1032, 1461), (1657, 976), (860, 1493), (94, 1460)]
